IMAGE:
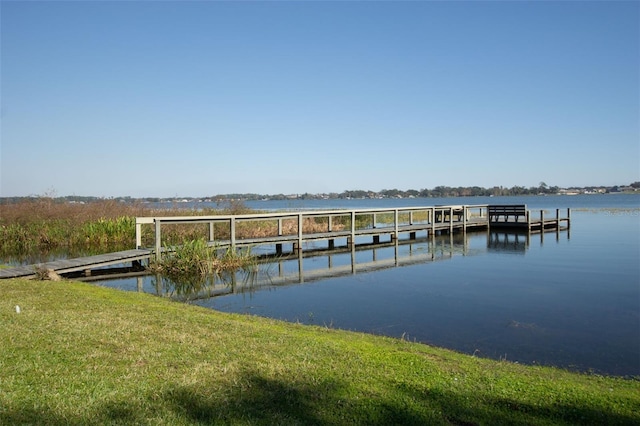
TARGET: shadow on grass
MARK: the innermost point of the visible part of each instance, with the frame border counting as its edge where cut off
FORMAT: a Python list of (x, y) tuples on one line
[(257, 400), (260, 400)]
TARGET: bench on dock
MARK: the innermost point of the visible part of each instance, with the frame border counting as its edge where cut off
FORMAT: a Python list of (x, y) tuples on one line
[(442, 212), (507, 212)]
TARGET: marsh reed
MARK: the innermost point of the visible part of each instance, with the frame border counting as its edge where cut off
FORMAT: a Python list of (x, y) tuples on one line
[(46, 224)]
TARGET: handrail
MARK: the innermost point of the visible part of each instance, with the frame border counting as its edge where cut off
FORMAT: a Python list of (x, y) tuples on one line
[(433, 214)]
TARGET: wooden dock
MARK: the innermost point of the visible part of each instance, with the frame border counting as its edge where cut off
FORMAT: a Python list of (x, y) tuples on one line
[(335, 227), (327, 225), (87, 265), (518, 217)]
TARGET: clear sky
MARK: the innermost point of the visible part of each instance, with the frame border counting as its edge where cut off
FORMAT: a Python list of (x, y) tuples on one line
[(163, 98)]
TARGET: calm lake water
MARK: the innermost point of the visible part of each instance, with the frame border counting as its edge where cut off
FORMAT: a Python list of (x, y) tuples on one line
[(569, 299)]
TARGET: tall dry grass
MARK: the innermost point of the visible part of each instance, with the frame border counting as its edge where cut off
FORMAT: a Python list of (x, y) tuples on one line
[(44, 223)]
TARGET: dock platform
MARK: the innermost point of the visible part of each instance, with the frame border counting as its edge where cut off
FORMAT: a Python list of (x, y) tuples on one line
[(85, 264)]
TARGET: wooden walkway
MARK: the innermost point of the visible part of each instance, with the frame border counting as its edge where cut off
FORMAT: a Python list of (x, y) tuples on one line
[(85, 264), (347, 227), (327, 225)]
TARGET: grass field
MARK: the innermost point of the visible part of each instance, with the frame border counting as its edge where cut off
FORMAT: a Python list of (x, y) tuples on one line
[(82, 354)]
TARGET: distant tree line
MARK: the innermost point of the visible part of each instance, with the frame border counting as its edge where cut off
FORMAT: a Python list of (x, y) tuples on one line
[(438, 191), (448, 191)]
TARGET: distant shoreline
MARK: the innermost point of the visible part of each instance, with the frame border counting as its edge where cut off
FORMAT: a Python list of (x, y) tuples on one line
[(438, 192)]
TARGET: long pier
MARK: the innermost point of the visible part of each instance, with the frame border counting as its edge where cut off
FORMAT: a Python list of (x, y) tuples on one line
[(352, 227), (296, 228)]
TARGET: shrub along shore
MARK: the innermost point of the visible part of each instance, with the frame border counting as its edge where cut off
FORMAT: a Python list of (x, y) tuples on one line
[(78, 353)]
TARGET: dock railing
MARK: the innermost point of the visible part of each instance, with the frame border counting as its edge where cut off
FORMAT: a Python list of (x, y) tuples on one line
[(519, 217), (302, 226)]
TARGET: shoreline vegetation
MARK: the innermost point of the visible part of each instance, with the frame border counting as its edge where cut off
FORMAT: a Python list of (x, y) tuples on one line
[(48, 225), (194, 262), (76, 353)]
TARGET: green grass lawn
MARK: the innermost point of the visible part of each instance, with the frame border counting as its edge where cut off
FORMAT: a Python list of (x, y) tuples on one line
[(82, 354)]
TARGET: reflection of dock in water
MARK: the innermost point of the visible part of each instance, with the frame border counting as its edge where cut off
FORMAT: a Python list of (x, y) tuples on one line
[(306, 266), (510, 242)]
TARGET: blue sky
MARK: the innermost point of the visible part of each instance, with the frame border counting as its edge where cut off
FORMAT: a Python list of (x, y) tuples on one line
[(201, 98)]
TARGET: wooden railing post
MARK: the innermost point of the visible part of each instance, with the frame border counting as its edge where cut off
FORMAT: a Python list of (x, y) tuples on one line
[(300, 225), (138, 234), (279, 245), (232, 233), (432, 218), (158, 240), (396, 225), (331, 242), (353, 228), (450, 220), (464, 218)]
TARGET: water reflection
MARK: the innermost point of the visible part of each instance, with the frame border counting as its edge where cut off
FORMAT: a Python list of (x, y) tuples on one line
[(199, 287), (313, 264), (508, 243)]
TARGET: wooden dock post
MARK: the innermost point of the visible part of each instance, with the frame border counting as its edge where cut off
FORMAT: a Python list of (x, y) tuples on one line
[(138, 234), (158, 241), (332, 242), (464, 219), (232, 233), (432, 219), (352, 239), (396, 225), (450, 220), (300, 231)]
